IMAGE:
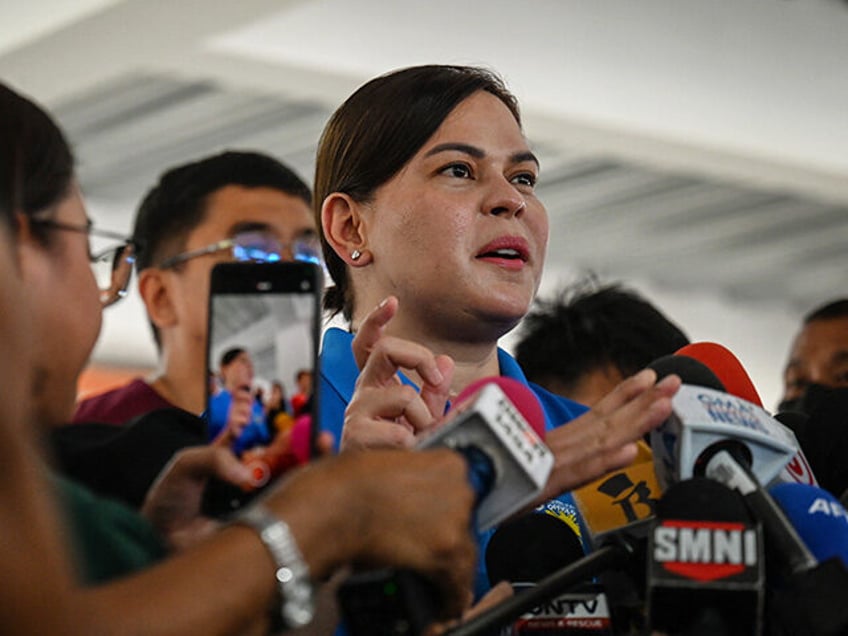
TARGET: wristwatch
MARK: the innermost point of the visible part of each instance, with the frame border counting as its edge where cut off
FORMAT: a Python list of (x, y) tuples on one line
[(295, 586)]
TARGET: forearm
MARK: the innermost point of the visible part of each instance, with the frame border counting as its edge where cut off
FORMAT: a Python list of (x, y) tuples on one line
[(224, 586)]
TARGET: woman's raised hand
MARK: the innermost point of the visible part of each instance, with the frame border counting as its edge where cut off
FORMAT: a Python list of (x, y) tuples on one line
[(383, 411)]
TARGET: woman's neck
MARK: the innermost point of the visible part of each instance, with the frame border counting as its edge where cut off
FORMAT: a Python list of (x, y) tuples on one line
[(474, 357)]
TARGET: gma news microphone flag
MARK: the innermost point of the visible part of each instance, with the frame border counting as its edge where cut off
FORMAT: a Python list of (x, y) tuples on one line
[(702, 417)]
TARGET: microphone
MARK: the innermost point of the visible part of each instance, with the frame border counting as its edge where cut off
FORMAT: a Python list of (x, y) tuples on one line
[(736, 381), (620, 497), (497, 424), (808, 598), (619, 550), (703, 416), (819, 518), (705, 571), (813, 602), (526, 549), (726, 367)]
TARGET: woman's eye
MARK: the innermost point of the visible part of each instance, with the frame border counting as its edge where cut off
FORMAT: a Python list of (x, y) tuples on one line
[(458, 170), (527, 179)]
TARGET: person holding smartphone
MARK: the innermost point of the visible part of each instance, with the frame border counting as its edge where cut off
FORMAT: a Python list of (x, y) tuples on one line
[(235, 205), (228, 207), (225, 581)]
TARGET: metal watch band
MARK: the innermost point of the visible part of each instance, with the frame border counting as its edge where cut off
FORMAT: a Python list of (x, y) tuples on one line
[(295, 586)]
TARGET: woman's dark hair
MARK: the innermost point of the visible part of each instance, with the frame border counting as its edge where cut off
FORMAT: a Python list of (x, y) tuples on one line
[(35, 158), (377, 131)]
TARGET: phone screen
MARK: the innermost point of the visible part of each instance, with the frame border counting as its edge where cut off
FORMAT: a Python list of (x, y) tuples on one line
[(262, 355)]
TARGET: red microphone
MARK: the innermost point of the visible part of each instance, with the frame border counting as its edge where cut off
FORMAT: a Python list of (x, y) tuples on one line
[(727, 368)]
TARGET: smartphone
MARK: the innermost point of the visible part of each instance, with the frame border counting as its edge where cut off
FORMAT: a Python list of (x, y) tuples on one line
[(262, 370)]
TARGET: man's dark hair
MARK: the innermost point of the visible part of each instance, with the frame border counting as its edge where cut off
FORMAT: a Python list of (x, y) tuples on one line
[(177, 203), (231, 354), (830, 310), (588, 326)]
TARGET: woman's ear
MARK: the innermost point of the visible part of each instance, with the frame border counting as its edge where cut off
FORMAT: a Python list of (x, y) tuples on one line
[(157, 296), (344, 229)]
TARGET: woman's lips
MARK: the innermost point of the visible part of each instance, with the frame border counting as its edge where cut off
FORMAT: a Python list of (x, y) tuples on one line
[(511, 252)]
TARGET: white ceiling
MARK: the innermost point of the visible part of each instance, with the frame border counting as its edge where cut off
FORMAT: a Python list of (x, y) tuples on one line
[(697, 149)]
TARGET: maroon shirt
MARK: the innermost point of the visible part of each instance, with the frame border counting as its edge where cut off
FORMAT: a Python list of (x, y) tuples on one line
[(120, 405)]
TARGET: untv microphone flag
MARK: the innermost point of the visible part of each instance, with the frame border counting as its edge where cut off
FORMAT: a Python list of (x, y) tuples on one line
[(622, 496)]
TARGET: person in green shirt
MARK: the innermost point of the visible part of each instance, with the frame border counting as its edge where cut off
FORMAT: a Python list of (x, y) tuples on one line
[(170, 570)]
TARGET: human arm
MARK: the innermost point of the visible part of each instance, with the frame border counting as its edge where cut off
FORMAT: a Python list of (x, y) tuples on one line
[(340, 510)]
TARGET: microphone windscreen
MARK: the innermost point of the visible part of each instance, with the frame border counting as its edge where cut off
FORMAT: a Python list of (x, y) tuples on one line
[(705, 566), (528, 548), (701, 498), (819, 518), (726, 366), (519, 394), (690, 371)]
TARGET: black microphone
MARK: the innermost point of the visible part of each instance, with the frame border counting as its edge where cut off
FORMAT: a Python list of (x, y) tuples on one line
[(705, 572), (621, 550), (528, 548)]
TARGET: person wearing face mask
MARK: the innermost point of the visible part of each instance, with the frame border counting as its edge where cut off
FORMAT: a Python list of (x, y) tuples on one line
[(815, 393), (818, 357), (435, 240), (75, 563)]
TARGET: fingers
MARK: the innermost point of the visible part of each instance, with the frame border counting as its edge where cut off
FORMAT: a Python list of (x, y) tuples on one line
[(392, 354), (371, 329), (435, 395), (375, 434), (383, 411), (202, 462), (604, 438)]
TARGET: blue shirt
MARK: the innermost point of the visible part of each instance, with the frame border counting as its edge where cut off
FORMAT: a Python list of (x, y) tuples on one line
[(255, 432), (338, 379)]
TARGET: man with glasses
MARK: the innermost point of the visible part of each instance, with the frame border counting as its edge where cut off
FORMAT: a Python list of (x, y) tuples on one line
[(230, 206)]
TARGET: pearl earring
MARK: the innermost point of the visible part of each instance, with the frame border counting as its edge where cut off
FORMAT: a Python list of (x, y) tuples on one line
[(355, 254)]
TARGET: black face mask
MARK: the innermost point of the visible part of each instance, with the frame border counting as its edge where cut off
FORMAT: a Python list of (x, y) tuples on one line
[(813, 398)]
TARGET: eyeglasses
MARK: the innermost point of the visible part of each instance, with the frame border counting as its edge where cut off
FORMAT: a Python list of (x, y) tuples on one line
[(254, 246), (112, 267)]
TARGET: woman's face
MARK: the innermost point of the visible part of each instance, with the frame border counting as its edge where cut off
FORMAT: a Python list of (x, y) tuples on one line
[(458, 234), (66, 313)]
